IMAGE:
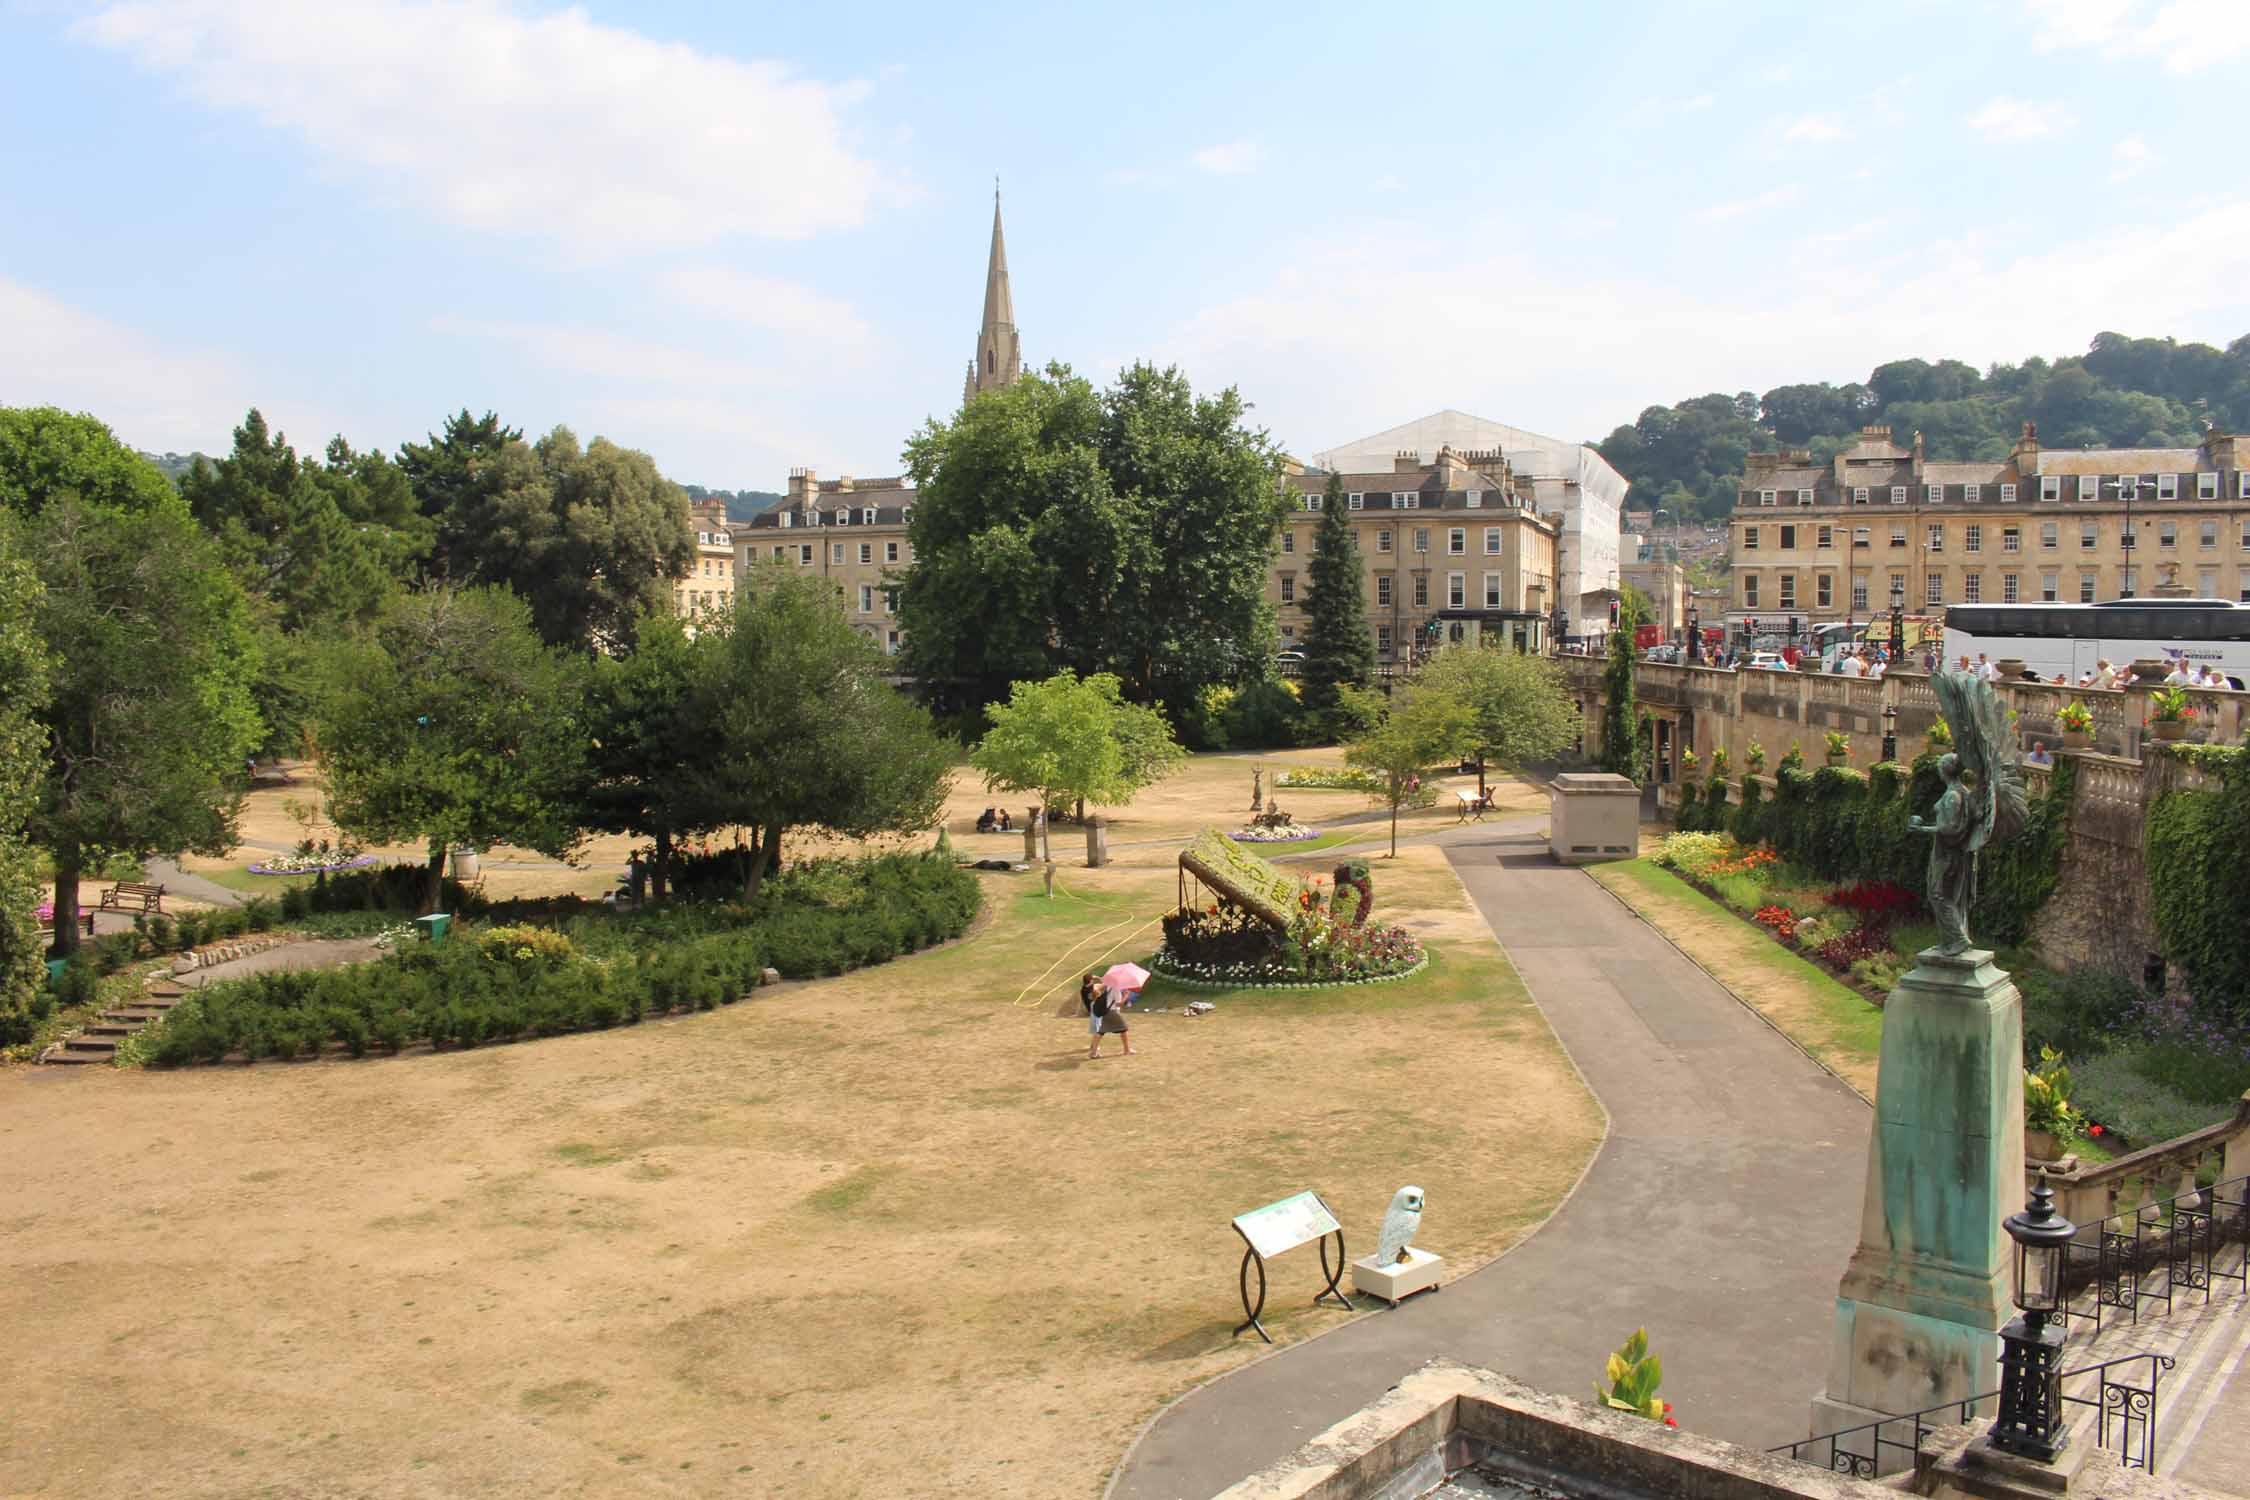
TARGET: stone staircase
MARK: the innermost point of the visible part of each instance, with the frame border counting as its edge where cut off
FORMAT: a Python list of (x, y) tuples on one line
[(99, 1040)]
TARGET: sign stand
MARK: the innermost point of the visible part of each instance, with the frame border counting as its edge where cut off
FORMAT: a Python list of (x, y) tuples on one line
[(1278, 1227)]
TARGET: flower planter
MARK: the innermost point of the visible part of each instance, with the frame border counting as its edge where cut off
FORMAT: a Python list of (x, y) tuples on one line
[(465, 864), (2012, 667), (2041, 1145), (2077, 739), (2169, 729), (2150, 669), (1844, 759)]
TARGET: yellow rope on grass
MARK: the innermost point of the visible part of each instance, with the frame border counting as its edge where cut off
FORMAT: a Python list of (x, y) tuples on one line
[(1041, 998)]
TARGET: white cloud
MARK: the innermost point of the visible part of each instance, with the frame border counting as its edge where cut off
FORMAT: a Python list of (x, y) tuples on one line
[(1780, 72), (1816, 128), (784, 307), (1719, 213), (617, 358), (2006, 119), (1232, 159), (1596, 350), (152, 397), (605, 139), (2186, 35), (2130, 157), (1700, 101)]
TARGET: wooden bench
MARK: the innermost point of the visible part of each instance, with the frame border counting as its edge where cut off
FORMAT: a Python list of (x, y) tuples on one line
[(85, 922), (133, 895)]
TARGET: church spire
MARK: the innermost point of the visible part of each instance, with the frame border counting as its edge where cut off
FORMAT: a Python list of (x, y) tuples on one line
[(999, 358)]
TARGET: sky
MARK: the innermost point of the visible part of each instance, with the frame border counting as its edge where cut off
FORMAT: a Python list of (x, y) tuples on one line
[(751, 238)]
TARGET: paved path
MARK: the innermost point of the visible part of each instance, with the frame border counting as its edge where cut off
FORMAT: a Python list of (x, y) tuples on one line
[(313, 953), (1719, 1212), (178, 882)]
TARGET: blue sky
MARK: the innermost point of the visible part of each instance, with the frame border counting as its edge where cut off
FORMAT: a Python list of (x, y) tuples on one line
[(750, 238)]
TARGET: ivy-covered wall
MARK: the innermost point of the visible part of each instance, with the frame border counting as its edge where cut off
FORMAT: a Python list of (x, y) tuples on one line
[(2198, 856)]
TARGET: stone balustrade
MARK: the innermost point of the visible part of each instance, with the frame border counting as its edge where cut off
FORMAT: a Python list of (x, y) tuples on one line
[(2086, 1193)]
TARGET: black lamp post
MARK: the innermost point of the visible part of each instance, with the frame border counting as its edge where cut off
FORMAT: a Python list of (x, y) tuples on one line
[(1890, 732), (1898, 621), (1694, 637), (2030, 1420)]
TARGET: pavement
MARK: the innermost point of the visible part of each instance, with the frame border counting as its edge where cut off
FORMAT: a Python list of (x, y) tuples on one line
[(313, 953), (1718, 1213), (178, 882)]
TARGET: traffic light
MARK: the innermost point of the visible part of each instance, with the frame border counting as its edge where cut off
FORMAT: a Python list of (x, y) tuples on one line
[(1792, 627), (1613, 614)]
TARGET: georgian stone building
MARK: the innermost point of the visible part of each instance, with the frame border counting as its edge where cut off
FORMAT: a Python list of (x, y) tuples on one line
[(1826, 541), (709, 583), (1450, 550), (849, 531)]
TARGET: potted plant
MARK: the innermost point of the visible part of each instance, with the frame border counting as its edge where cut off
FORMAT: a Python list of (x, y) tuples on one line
[(1755, 758), (1794, 760), (2048, 1117), (2077, 721), (2169, 713), (1719, 764), (1839, 747), (1688, 762), (1941, 735)]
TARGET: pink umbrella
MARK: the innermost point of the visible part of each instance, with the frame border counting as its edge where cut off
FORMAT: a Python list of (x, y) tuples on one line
[(1124, 979)]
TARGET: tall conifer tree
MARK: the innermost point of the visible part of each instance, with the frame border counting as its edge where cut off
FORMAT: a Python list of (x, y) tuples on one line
[(1338, 649)]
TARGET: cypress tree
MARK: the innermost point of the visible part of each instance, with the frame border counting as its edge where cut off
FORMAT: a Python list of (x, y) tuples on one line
[(1338, 649), (1620, 737)]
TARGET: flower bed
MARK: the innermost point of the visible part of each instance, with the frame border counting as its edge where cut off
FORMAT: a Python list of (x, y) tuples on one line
[(1295, 833), (1331, 779), (1223, 945), (311, 864), (1269, 976)]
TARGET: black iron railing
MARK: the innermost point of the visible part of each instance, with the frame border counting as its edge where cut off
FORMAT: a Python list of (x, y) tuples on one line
[(1889, 1444), (2157, 1254)]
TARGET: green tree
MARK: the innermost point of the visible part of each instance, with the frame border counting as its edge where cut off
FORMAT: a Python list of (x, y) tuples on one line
[(656, 742), (23, 691), (1061, 529), (1072, 741), (151, 712), (1620, 743), (813, 734), (452, 724), (1522, 710), (1416, 730), (1338, 650), (47, 453)]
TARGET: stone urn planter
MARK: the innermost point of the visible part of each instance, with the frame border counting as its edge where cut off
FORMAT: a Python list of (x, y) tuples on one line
[(2077, 739), (2169, 729), (465, 864), (2013, 667), (2150, 669), (2041, 1145)]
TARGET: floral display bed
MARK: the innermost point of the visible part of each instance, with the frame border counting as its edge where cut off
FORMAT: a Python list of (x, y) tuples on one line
[(1295, 833), (310, 864)]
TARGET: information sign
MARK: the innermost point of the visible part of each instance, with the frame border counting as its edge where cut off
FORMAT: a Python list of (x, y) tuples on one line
[(1296, 1220)]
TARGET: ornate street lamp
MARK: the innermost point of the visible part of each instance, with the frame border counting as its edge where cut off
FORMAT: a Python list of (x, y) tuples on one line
[(2030, 1421), (1694, 636), (1890, 732), (1898, 621)]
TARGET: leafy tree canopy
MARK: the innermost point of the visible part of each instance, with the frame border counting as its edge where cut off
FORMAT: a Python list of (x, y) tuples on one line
[(1520, 709), (23, 741), (1422, 727), (1074, 740), (46, 453)]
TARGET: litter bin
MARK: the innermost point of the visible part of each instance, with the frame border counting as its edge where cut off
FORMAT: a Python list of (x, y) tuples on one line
[(433, 927)]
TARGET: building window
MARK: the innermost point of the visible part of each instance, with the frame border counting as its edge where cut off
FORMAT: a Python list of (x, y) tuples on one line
[(1383, 540), (1933, 590), (1859, 495), (1476, 499), (1934, 538), (2207, 584), (1492, 591), (1750, 539), (867, 515), (1288, 540), (2132, 584), (1824, 591), (2246, 531), (1788, 538), (1788, 583), (2089, 486), (2049, 535), (1827, 536), (1457, 541), (2007, 494), (1749, 591), (1383, 640), (1971, 493), (2011, 539), (1934, 494), (1765, 497), (2207, 486), (1898, 536), (2050, 587), (2085, 588), (2128, 487), (1491, 541), (890, 552), (2087, 537), (890, 601), (867, 598), (1859, 593), (1382, 590), (777, 557), (2242, 484), (2167, 534), (2167, 486), (1804, 497), (1401, 500), (1356, 502), (2008, 588), (804, 554), (835, 552), (1972, 538), (891, 645), (1312, 502), (1288, 588), (1456, 590), (866, 552), (1421, 538), (2207, 534), (1421, 591), (1972, 587), (2050, 487)]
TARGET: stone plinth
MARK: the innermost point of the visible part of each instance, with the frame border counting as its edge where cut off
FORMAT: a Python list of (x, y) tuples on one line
[(1920, 1306), (1594, 815), (1399, 1280)]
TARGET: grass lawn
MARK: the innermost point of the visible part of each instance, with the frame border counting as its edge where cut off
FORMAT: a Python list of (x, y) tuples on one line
[(888, 1233), (1828, 1019)]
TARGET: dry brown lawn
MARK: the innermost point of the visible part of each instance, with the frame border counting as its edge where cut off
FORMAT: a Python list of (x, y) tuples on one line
[(889, 1233)]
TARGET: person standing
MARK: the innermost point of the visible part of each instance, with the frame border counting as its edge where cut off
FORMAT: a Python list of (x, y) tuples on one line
[(1103, 1016)]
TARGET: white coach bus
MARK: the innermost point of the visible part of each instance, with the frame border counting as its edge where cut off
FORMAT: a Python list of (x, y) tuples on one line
[(2061, 642)]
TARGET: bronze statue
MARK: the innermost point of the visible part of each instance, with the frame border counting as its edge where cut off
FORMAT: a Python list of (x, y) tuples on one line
[(1257, 787), (1983, 802)]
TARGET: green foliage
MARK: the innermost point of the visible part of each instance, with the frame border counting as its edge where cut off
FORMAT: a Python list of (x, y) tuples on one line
[(1058, 528), (1420, 728), (2081, 1013), (1633, 1374), (23, 691), (1263, 715), (2046, 1096), (1522, 709), (1331, 778), (1338, 650), (47, 453), (1621, 750), (1074, 740), (2118, 1090), (2199, 881)]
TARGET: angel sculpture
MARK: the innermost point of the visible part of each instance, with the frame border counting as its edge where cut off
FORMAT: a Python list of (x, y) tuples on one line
[(1983, 801)]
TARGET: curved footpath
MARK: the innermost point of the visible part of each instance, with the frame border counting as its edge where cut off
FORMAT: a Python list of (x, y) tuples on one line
[(1718, 1213)]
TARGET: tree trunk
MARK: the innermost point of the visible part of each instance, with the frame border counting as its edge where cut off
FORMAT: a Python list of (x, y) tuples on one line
[(433, 894), (753, 860), (1396, 797), (767, 857), (66, 905), (1481, 792), (1080, 811), (660, 880)]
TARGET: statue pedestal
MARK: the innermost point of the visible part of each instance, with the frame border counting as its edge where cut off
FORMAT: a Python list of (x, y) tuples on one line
[(1921, 1304), (1400, 1280)]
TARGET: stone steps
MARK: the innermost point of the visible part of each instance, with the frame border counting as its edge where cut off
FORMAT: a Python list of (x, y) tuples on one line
[(98, 1041)]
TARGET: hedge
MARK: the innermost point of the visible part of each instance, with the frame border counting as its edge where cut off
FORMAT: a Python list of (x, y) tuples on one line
[(2199, 879), (602, 970)]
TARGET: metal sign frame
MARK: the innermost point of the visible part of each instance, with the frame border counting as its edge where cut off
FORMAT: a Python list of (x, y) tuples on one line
[(1250, 1257)]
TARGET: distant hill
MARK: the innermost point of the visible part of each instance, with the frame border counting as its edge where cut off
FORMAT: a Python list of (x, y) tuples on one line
[(741, 504), (173, 465)]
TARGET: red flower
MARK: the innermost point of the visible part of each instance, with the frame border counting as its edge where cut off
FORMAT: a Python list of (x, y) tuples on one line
[(1670, 1423), (2093, 1130)]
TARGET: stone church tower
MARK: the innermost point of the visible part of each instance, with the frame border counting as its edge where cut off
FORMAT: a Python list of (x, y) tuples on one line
[(999, 358)]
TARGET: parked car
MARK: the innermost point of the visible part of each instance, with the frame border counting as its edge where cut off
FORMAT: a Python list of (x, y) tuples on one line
[(1766, 661), (1289, 656)]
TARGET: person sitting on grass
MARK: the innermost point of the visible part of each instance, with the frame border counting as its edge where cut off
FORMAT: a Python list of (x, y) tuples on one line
[(987, 821)]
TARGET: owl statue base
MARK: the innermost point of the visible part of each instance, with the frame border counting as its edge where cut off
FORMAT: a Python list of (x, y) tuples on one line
[(1394, 1283)]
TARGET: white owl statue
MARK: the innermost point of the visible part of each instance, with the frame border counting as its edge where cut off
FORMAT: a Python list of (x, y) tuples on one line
[(1399, 1224)]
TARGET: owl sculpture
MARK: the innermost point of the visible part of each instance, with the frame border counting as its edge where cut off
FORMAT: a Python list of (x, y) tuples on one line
[(1399, 1225)]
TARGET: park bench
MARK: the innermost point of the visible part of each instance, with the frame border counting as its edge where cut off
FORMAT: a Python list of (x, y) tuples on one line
[(85, 923), (1474, 805), (133, 895)]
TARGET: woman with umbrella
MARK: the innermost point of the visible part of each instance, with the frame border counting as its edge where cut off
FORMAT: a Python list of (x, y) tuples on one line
[(1105, 999)]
